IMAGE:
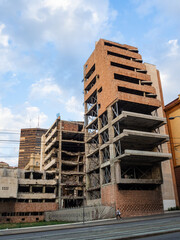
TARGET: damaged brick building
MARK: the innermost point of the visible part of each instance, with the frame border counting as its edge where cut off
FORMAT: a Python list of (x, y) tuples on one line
[(63, 154), (26, 195), (120, 158), (127, 160)]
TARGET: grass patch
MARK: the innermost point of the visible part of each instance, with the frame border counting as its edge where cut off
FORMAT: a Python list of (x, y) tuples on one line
[(34, 224)]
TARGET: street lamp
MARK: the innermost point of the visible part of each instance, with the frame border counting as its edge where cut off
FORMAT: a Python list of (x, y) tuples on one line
[(171, 118)]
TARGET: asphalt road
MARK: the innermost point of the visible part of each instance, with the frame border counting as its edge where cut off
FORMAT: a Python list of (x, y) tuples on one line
[(121, 229)]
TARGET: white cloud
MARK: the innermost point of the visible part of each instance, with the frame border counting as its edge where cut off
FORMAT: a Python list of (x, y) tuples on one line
[(174, 47), (66, 23), (166, 7), (10, 125), (3, 38), (45, 88), (33, 117), (75, 107)]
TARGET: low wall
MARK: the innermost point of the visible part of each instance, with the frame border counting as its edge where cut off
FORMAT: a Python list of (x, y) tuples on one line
[(81, 214)]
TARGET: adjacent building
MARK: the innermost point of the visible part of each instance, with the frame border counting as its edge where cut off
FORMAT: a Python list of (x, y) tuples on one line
[(63, 154), (127, 162), (26, 195), (172, 111), (30, 146)]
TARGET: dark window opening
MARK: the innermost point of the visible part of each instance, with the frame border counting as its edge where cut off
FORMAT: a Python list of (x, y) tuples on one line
[(126, 78), (68, 168), (49, 189), (136, 172), (100, 90), (92, 83), (81, 168), (81, 179), (122, 66), (37, 175), (114, 45), (131, 91), (137, 187), (80, 193), (23, 189), (27, 175), (37, 200), (49, 200), (90, 72), (37, 189), (80, 127), (118, 55), (50, 176)]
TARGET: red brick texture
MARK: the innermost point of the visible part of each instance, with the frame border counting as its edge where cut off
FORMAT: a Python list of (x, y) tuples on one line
[(133, 202), (69, 126), (18, 209)]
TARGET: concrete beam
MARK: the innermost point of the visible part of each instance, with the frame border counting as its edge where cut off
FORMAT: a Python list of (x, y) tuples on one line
[(139, 181), (36, 182), (142, 138), (36, 196), (143, 156), (141, 120)]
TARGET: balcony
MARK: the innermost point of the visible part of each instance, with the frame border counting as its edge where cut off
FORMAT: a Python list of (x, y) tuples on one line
[(135, 156), (51, 144), (143, 139), (51, 134), (50, 154), (49, 165), (133, 119)]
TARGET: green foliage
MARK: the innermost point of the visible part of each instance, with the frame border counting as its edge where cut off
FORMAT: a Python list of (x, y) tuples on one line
[(174, 208)]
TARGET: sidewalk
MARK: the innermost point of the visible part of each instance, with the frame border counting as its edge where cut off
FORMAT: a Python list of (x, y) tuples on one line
[(86, 224)]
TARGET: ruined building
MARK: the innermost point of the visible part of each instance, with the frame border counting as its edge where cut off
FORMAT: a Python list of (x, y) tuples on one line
[(63, 154), (30, 147), (26, 195), (124, 133)]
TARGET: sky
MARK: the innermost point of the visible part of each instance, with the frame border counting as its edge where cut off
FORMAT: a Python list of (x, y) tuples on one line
[(44, 44)]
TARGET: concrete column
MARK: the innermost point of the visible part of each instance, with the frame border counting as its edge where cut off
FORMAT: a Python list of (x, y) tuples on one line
[(111, 146)]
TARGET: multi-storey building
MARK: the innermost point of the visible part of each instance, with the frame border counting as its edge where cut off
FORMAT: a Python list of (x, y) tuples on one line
[(123, 138), (63, 153), (172, 111), (30, 144), (26, 195)]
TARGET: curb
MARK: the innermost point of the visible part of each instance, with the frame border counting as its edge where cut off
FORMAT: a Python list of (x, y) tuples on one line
[(14, 231)]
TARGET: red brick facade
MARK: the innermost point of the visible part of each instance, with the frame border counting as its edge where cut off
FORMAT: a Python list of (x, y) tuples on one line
[(15, 212), (133, 202)]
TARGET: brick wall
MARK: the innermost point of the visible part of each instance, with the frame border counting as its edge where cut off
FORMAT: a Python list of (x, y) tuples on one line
[(20, 219), (17, 208), (133, 202), (69, 126)]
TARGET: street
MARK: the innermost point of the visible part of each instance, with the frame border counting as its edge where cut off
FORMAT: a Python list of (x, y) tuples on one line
[(120, 229)]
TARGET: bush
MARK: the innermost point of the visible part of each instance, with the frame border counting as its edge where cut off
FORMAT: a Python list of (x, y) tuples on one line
[(174, 208)]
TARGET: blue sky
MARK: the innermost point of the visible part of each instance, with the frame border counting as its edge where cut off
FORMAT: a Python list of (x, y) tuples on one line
[(44, 44)]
